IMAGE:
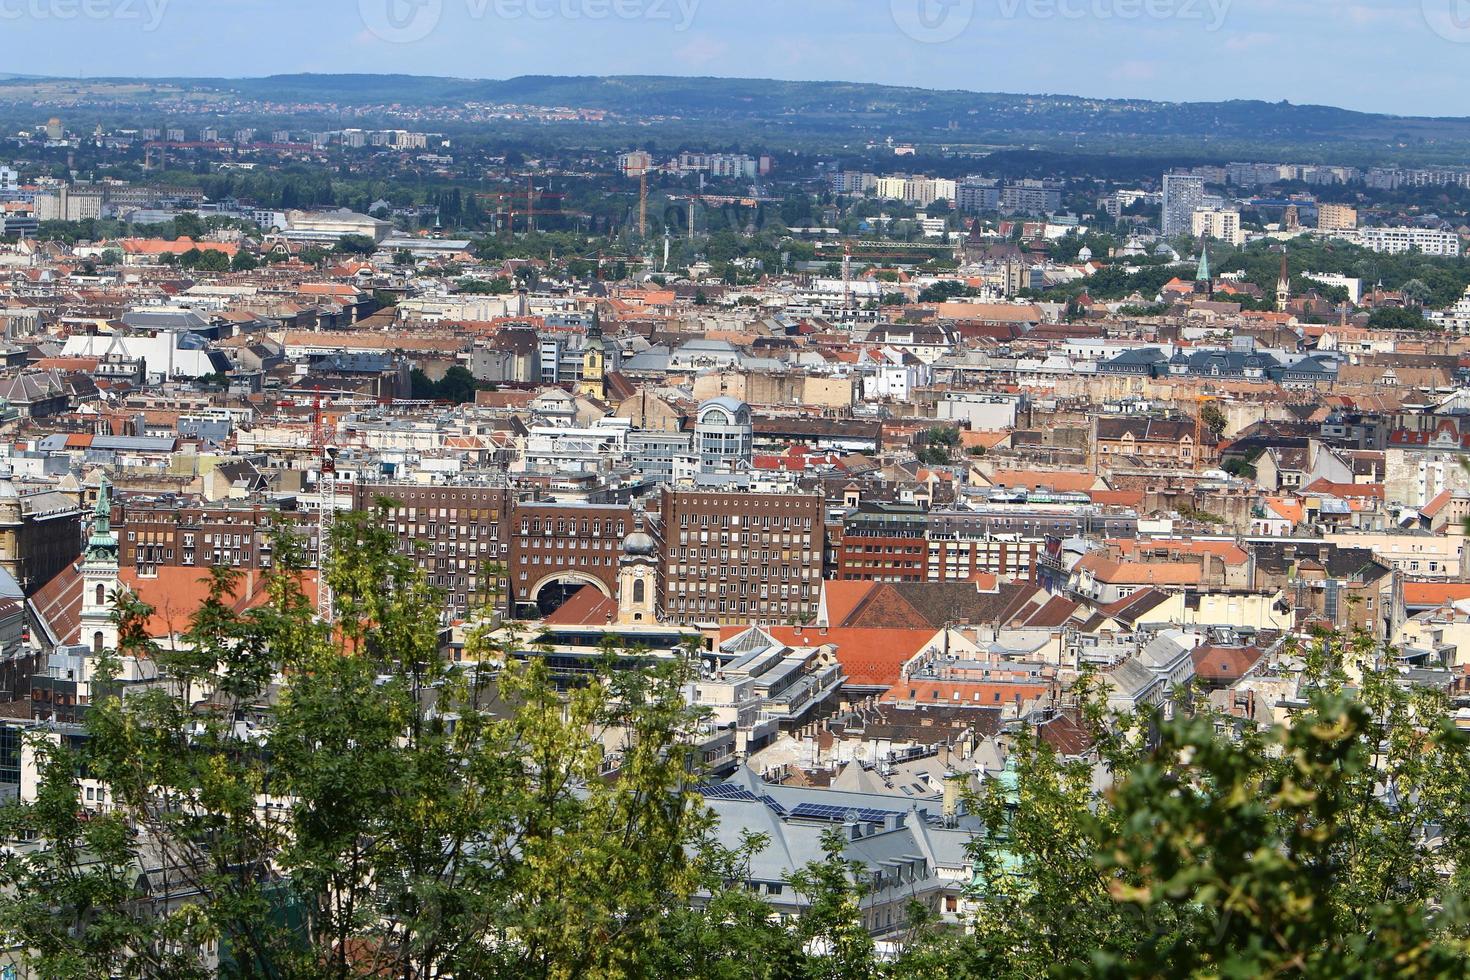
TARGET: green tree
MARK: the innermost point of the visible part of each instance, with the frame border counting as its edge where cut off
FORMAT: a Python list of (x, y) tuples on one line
[(355, 245), (1213, 418), (1416, 292), (411, 847), (213, 260), (1398, 318), (189, 225), (944, 291), (1276, 851), (499, 286)]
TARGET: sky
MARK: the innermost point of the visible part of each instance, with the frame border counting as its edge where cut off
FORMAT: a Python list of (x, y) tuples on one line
[(1396, 56)]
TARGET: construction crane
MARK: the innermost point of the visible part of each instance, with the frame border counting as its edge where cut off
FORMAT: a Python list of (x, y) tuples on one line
[(524, 203), (643, 203), (1199, 429), (326, 513), (847, 278)]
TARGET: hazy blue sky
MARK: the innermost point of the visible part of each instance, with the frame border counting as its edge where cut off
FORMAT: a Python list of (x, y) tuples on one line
[(1406, 56)]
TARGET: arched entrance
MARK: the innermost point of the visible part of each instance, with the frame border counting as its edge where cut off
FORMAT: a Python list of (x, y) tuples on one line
[(552, 592)]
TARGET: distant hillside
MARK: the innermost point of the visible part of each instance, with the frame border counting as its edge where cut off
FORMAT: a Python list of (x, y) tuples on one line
[(828, 110), (828, 101)]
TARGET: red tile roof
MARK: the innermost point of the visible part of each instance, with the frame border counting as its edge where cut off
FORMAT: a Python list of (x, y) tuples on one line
[(1224, 664), (176, 594), (869, 657), (586, 607), (1428, 595), (58, 606)]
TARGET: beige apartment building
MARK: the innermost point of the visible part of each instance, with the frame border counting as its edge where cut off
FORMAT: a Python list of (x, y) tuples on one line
[(1336, 217)]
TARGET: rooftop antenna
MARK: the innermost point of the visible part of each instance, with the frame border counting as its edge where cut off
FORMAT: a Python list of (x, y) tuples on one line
[(847, 276)]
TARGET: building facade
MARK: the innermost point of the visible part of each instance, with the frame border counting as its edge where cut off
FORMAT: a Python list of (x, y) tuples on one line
[(728, 557), (1183, 195)]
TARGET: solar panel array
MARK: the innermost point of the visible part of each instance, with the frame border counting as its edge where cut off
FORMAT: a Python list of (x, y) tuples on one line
[(802, 811), (824, 811), (728, 791)]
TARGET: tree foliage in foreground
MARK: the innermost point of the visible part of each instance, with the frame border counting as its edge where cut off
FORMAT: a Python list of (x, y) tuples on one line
[(404, 816)]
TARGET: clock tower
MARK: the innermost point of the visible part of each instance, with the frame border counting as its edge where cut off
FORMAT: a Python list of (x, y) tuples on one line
[(638, 581), (594, 362)]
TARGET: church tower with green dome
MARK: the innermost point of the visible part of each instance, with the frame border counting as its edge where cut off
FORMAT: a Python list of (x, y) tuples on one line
[(100, 583)]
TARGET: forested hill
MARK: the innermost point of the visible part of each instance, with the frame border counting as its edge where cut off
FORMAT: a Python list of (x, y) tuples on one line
[(764, 98), (821, 112), (725, 97)]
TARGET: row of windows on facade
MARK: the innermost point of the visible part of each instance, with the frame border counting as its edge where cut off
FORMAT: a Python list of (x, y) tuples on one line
[(412, 548), (732, 606), (148, 567), (604, 560), (742, 588), (570, 544), (742, 554), (740, 571), (458, 584), (743, 537), (564, 526), (450, 530), (737, 520), (151, 539)]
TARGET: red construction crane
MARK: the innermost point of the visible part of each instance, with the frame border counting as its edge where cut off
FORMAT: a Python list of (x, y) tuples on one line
[(327, 510)]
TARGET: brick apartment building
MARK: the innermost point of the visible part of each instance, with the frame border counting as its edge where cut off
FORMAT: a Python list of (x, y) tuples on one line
[(558, 549), (895, 543), (455, 533), (480, 545), (731, 557), (728, 557), (169, 531)]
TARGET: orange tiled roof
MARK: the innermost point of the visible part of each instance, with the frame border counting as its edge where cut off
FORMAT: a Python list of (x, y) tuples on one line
[(586, 607), (1063, 482), (1431, 594), (177, 593), (157, 246), (869, 657)]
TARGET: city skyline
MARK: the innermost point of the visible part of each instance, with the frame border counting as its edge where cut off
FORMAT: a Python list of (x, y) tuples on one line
[(1165, 50)]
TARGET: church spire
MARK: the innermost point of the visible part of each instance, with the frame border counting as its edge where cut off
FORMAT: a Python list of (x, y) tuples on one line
[(1202, 275), (102, 544)]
